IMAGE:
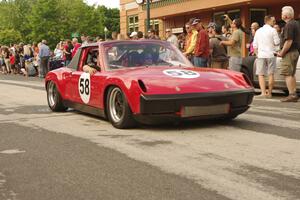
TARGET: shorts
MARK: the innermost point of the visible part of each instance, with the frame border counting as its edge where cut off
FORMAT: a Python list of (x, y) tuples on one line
[(235, 63), (288, 64), (265, 66)]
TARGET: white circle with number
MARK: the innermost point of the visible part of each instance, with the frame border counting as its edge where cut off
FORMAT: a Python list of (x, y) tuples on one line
[(181, 73), (84, 87)]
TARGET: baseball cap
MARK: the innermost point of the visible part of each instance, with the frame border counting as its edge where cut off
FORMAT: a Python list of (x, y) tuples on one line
[(195, 21), (134, 33), (212, 24), (168, 30)]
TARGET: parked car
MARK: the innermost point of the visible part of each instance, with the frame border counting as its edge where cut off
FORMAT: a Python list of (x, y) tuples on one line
[(249, 68), (146, 81)]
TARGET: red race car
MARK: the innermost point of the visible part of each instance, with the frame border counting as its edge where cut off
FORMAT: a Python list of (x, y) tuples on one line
[(145, 81)]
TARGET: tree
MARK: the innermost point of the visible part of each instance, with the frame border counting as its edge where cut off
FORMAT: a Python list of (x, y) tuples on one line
[(43, 21), (10, 36), (112, 20), (13, 15), (54, 20)]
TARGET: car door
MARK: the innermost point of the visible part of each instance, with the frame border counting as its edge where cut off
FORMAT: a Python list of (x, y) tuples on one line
[(97, 81), (86, 89), (69, 77), (79, 82)]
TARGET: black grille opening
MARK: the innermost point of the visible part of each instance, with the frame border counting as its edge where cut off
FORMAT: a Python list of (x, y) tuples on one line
[(142, 85)]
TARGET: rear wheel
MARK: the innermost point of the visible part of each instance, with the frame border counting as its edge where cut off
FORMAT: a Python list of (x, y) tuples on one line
[(118, 110), (286, 92), (54, 99)]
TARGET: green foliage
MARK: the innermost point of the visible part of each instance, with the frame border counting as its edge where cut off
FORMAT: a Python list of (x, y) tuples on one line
[(10, 36), (54, 20)]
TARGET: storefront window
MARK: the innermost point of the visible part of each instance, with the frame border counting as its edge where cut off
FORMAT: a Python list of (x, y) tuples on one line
[(154, 24), (219, 18), (234, 14), (258, 15), (133, 23)]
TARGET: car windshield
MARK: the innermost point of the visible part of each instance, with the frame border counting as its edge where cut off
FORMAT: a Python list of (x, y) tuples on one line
[(135, 54)]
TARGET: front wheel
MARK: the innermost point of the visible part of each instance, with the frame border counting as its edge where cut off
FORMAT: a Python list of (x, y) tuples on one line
[(118, 110), (54, 99)]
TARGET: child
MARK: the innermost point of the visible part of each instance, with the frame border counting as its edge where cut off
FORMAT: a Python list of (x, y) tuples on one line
[(12, 60)]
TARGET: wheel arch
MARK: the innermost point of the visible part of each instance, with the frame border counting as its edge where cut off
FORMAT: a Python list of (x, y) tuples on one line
[(126, 122), (55, 81), (105, 93), (130, 89)]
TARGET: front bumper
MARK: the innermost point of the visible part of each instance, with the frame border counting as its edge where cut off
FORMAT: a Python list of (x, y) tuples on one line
[(237, 101)]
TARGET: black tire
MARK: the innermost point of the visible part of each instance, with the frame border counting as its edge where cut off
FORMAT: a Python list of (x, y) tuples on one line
[(286, 92), (246, 71), (55, 102), (227, 118), (230, 117), (117, 109)]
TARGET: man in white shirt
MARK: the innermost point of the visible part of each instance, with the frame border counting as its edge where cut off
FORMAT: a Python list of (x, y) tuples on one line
[(171, 37), (265, 43)]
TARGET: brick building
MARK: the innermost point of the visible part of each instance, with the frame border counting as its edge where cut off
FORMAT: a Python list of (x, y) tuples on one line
[(174, 14)]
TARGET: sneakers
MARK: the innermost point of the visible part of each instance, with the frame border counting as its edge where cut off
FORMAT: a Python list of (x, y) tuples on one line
[(290, 98)]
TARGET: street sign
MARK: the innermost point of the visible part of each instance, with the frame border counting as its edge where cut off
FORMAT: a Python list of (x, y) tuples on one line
[(75, 35)]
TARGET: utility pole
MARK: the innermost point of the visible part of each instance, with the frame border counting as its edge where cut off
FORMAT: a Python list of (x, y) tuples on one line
[(105, 32), (148, 15)]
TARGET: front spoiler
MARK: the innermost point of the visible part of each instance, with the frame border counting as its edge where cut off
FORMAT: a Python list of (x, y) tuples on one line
[(168, 105)]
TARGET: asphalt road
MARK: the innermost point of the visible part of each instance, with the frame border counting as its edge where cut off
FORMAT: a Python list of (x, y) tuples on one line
[(61, 156)]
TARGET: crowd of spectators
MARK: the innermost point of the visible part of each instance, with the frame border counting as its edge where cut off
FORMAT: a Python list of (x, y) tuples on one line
[(34, 59), (222, 46), (212, 46)]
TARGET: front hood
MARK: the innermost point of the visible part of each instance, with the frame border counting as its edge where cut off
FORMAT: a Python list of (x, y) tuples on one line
[(179, 80)]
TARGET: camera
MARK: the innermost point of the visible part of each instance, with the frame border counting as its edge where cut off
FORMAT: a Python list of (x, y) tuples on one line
[(224, 17)]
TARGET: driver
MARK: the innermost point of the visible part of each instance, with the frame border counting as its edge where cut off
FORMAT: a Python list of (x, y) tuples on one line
[(91, 67), (148, 59)]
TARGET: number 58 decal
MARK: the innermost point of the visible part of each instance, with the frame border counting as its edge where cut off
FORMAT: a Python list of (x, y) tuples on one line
[(181, 73), (84, 87)]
